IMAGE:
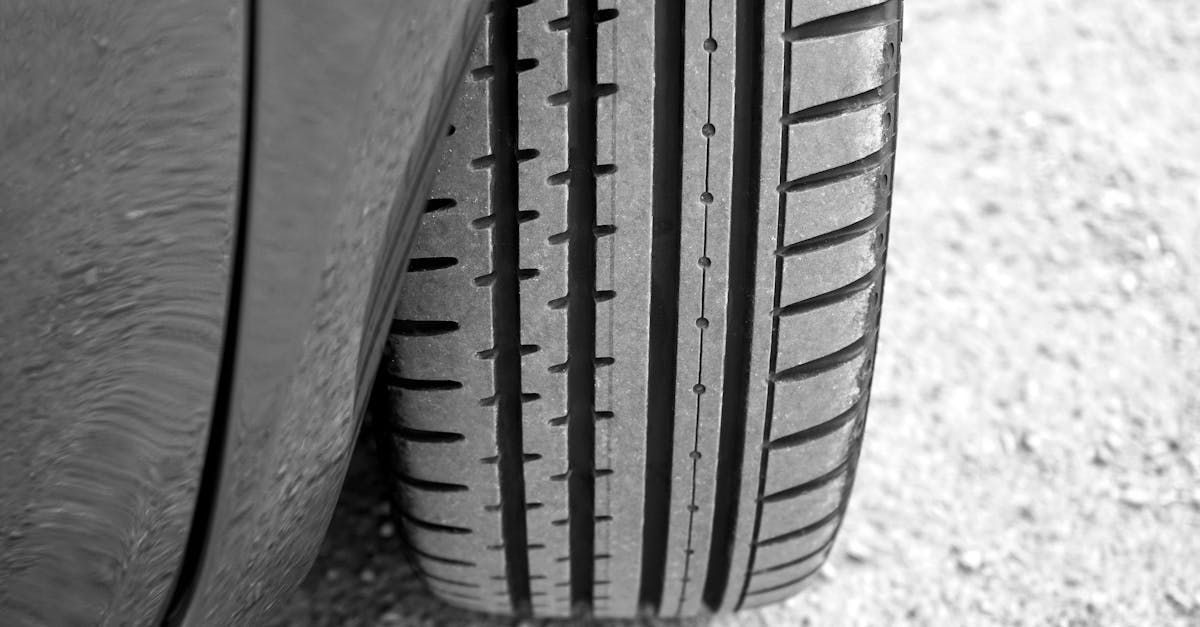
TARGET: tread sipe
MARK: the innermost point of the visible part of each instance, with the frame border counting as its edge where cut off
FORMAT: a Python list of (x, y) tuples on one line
[(630, 368)]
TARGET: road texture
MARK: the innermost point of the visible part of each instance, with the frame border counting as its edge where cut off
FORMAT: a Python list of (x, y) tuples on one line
[(1033, 451)]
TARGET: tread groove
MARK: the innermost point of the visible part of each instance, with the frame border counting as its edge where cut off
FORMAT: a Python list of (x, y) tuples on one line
[(662, 338), (422, 328), (862, 19), (834, 296), (743, 244), (423, 385), (421, 435), (842, 106), (582, 92), (506, 304), (835, 237), (822, 364), (428, 486), (773, 351), (875, 160)]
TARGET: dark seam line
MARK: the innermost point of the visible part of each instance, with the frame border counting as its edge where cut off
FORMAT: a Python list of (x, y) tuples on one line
[(663, 337), (699, 388), (200, 531)]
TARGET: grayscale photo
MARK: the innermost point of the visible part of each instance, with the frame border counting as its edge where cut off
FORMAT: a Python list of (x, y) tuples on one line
[(573, 312)]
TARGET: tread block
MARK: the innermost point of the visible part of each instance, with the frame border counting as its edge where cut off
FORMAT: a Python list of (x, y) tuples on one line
[(827, 143), (802, 510), (812, 334), (836, 204), (804, 462), (803, 404), (428, 357), (793, 549), (437, 302), (832, 68), (779, 585), (816, 272)]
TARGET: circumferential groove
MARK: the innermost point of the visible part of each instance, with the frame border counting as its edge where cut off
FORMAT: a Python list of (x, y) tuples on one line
[(662, 338), (504, 281), (743, 238)]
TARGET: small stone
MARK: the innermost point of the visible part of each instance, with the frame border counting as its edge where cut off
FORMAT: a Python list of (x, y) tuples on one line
[(1180, 603), (828, 571), (1029, 442), (857, 552), (91, 277), (367, 575), (1136, 498), (970, 561), (387, 530), (1128, 282)]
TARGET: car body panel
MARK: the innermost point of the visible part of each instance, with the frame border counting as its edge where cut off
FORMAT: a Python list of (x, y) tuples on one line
[(192, 312), (121, 137), (350, 101)]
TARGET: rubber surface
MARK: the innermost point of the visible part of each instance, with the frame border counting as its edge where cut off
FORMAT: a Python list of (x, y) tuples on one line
[(635, 343)]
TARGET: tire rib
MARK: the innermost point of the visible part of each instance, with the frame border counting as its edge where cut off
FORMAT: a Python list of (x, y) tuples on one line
[(581, 305), (662, 340), (506, 305), (742, 250)]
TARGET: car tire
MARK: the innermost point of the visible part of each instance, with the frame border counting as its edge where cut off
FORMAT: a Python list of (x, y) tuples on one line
[(630, 367)]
